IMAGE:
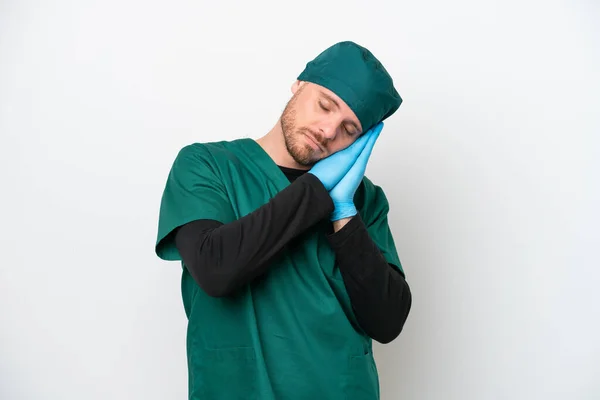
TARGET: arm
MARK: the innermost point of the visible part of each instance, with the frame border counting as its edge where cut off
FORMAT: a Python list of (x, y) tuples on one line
[(224, 257), (195, 191), (380, 297), (367, 257)]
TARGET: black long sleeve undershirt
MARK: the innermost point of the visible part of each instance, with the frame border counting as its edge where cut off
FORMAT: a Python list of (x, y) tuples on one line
[(380, 296), (223, 258)]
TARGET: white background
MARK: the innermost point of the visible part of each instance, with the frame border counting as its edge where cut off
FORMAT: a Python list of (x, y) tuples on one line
[(490, 165)]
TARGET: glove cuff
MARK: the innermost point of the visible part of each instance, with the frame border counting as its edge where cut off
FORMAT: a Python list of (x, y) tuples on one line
[(344, 210)]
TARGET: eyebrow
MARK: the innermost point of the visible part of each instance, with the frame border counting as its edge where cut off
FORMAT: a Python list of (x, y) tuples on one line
[(328, 97)]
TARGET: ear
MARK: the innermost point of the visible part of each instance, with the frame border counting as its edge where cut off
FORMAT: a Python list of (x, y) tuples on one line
[(297, 85)]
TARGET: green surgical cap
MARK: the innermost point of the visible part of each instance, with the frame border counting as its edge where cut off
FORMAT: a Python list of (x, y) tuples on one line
[(354, 74)]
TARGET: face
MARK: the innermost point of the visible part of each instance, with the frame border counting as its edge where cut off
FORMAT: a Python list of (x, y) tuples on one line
[(316, 123)]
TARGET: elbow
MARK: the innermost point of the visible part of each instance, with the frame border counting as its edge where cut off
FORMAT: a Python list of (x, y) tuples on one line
[(391, 334), (212, 283), (217, 288), (396, 326), (214, 291), (386, 339)]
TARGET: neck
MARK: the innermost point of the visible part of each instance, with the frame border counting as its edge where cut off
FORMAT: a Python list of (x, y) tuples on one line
[(273, 143)]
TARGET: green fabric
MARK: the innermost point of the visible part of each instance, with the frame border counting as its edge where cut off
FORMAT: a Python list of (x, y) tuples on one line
[(292, 333), (354, 74)]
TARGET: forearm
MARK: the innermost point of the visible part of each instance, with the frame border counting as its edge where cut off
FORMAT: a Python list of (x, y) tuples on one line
[(224, 257), (380, 296)]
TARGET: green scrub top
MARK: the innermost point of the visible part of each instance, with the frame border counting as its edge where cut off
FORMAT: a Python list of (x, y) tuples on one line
[(292, 333)]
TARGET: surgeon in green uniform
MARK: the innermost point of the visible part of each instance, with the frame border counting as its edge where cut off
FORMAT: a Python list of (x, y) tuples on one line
[(289, 267)]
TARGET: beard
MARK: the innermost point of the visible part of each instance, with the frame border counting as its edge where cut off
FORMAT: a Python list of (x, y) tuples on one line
[(293, 135)]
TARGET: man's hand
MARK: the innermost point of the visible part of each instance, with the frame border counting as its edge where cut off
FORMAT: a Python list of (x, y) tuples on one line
[(332, 169), (343, 193)]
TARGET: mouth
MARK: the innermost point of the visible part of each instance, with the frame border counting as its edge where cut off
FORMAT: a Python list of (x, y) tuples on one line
[(313, 142)]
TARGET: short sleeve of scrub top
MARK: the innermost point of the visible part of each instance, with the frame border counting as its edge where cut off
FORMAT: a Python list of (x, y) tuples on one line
[(193, 191)]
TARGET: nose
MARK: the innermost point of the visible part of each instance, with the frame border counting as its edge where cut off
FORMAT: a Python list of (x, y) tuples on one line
[(328, 131)]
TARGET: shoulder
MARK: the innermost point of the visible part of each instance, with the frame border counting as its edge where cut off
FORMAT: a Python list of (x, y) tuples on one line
[(373, 193), (371, 199), (203, 150), (205, 154)]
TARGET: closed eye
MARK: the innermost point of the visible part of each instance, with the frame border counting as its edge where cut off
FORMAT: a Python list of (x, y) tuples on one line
[(351, 131)]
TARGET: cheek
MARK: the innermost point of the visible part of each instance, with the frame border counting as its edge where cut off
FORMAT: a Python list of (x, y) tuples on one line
[(346, 140), (303, 110), (307, 116), (340, 143)]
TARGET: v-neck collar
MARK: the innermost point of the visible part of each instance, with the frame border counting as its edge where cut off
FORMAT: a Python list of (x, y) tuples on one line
[(264, 161)]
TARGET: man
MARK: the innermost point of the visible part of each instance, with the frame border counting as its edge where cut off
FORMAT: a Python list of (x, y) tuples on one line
[(289, 266)]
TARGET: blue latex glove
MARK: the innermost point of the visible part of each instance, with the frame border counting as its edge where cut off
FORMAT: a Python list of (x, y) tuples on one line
[(343, 193), (332, 169)]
